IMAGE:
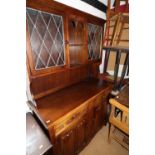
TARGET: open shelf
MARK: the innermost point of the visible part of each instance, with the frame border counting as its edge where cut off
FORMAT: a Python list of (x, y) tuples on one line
[(76, 42)]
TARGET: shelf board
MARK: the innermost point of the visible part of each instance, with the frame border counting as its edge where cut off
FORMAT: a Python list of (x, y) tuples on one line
[(75, 65)]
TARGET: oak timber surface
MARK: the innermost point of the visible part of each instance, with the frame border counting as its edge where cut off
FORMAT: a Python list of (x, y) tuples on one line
[(56, 105)]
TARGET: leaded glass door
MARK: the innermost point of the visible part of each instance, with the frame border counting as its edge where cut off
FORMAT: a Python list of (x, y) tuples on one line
[(46, 38), (94, 41)]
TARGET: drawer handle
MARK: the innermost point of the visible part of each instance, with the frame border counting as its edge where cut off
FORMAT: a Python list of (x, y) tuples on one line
[(69, 133), (48, 121)]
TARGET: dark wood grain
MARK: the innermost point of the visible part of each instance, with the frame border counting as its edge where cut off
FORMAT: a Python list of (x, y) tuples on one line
[(68, 98), (55, 108), (77, 110), (49, 83), (67, 143), (77, 66)]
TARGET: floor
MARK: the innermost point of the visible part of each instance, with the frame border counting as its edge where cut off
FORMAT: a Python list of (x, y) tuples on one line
[(100, 146)]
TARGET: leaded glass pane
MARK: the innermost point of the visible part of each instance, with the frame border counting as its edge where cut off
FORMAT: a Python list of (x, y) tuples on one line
[(94, 41), (46, 37)]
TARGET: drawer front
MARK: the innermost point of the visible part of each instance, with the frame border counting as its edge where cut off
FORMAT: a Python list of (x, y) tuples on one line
[(98, 100), (69, 120), (95, 102)]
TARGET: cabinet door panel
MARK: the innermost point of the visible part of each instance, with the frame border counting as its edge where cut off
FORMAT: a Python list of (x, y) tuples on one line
[(98, 117), (90, 125), (57, 147), (94, 41), (67, 143), (80, 136), (95, 121), (46, 39)]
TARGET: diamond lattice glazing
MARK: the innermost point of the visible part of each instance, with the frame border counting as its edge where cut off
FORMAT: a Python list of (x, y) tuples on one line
[(94, 41), (46, 37)]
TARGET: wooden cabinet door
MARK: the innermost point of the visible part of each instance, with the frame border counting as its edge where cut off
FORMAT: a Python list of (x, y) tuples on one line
[(57, 147), (98, 117), (90, 125), (67, 143), (80, 133), (95, 121), (94, 41), (45, 40)]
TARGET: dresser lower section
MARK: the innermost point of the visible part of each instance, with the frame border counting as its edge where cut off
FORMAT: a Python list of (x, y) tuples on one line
[(73, 115), (73, 132)]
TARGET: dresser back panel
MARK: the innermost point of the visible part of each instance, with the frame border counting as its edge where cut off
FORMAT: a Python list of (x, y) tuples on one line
[(43, 85)]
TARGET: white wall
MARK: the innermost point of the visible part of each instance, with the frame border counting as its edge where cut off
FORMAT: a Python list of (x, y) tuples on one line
[(106, 1), (80, 5)]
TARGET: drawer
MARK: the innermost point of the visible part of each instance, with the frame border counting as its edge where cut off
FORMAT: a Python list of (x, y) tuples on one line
[(95, 102), (69, 120), (98, 100)]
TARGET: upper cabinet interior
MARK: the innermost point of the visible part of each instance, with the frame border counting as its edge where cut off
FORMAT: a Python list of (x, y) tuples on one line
[(76, 41)]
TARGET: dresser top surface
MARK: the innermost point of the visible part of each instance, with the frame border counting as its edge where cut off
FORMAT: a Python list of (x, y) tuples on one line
[(56, 105)]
